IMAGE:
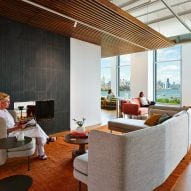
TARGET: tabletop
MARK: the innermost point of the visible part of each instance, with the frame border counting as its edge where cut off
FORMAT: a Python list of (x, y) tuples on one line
[(12, 142), (69, 139)]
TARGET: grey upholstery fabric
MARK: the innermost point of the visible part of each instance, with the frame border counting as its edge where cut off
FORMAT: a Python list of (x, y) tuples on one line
[(81, 168), (165, 109), (139, 160), (3, 129), (81, 164), (126, 125)]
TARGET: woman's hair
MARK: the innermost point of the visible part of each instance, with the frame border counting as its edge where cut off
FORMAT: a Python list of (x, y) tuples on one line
[(140, 94), (109, 91), (3, 95)]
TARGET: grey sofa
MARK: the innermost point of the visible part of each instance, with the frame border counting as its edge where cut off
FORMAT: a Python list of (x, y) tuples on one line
[(125, 125), (139, 160)]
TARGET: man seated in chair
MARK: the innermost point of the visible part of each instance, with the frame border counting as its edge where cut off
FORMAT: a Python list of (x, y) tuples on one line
[(110, 100), (14, 128), (110, 95)]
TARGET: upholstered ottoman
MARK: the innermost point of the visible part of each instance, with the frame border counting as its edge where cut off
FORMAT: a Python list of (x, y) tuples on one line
[(125, 125)]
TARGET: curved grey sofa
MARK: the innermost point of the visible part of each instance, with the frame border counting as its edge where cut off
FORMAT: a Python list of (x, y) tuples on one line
[(139, 160), (125, 125)]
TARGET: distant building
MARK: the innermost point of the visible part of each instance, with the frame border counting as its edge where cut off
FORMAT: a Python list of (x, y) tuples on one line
[(167, 83)]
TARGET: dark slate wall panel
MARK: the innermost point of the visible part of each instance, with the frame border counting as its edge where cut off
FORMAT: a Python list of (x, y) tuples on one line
[(35, 65)]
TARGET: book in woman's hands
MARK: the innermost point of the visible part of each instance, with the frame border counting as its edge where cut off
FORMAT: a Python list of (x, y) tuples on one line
[(30, 123)]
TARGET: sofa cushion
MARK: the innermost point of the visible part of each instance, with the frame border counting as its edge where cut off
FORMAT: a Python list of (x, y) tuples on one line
[(153, 119), (163, 118), (161, 111), (81, 163), (126, 125)]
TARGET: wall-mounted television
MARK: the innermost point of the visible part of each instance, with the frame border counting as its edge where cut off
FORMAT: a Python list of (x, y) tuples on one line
[(44, 109)]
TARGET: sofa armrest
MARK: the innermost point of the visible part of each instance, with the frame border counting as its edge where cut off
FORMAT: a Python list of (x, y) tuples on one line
[(3, 128), (104, 147)]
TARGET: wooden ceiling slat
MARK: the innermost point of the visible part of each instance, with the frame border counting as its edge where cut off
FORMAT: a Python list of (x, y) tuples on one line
[(117, 33), (80, 7), (112, 18), (94, 21)]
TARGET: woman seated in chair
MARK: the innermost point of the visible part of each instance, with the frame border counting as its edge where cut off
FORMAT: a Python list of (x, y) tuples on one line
[(13, 129), (144, 101)]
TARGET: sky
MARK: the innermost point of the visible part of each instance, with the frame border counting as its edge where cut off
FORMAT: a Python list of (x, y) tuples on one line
[(170, 69), (108, 62), (165, 70)]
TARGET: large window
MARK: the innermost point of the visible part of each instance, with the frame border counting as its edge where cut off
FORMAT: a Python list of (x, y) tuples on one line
[(106, 74), (115, 75), (124, 76), (168, 75)]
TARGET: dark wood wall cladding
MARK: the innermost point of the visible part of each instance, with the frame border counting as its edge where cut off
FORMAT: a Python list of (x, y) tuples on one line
[(35, 65)]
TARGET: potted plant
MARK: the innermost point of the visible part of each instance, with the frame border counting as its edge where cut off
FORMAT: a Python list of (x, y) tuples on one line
[(80, 124)]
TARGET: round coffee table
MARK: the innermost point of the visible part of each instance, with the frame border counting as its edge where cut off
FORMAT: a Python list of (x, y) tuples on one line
[(11, 142), (77, 141)]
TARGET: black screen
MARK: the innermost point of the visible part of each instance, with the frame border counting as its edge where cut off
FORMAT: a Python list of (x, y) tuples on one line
[(44, 109)]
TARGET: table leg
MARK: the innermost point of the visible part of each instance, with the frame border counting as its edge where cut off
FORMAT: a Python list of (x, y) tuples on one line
[(80, 151)]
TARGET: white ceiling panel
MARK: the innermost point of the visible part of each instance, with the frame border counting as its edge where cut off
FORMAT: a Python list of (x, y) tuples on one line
[(169, 17)]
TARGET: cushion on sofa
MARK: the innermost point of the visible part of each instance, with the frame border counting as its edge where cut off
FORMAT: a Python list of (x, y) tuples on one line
[(164, 117), (126, 125), (160, 111), (153, 119)]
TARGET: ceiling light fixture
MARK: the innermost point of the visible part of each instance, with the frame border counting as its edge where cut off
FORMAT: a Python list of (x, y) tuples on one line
[(75, 24)]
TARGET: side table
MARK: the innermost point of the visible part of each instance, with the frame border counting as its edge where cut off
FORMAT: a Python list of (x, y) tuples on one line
[(77, 141)]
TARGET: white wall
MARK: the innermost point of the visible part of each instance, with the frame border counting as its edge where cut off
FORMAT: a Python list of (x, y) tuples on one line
[(139, 73), (85, 60), (186, 73)]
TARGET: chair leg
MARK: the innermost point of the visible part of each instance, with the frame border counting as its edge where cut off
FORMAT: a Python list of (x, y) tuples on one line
[(79, 185)]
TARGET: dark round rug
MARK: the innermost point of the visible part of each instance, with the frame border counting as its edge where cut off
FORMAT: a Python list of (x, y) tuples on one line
[(16, 183)]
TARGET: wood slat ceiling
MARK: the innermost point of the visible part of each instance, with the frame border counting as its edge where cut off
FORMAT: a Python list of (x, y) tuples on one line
[(98, 22)]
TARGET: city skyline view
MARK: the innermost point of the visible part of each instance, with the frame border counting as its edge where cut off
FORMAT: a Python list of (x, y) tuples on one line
[(167, 73), (168, 64)]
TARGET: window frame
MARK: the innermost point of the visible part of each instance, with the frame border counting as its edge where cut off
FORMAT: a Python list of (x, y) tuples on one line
[(155, 62)]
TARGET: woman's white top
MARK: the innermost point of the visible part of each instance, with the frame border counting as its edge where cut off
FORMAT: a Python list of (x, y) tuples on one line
[(34, 131), (144, 101)]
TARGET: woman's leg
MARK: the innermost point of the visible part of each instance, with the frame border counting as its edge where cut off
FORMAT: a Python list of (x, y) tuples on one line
[(40, 148)]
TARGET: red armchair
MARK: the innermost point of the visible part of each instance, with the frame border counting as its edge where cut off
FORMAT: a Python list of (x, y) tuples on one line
[(133, 108)]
